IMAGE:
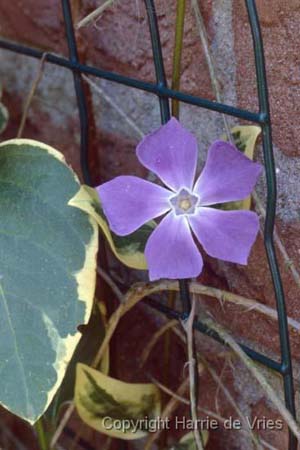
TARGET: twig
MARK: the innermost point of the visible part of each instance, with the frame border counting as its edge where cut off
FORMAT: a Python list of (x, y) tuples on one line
[(220, 383), (29, 98), (140, 290), (209, 61), (110, 283), (171, 298), (248, 303), (176, 74), (93, 15), (267, 388), (167, 413), (114, 105), (168, 390), (62, 424), (271, 394), (147, 350), (136, 293), (188, 326), (213, 414), (222, 295), (223, 388)]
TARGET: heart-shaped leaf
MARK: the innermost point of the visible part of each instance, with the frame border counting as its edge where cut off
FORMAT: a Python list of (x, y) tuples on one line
[(118, 409), (48, 274), (128, 249)]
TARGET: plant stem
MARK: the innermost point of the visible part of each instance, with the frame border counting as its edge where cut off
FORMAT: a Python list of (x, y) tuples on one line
[(167, 413), (232, 402), (265, 385), (124, 115), (222, 295), (41, 435), (155, 337), (140, 290), (94, 14), (209, 61), (166, 364), (180, 13), (62, 424), (207, 412), (104, 275), (30, 96), (193, 372)]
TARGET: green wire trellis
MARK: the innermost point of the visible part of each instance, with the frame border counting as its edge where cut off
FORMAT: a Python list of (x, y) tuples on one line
[(161, 90)]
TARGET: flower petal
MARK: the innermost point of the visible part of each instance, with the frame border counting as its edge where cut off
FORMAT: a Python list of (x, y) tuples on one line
[(129, 202), (171, 251), (227, 235), (227, 176), (171, 153)]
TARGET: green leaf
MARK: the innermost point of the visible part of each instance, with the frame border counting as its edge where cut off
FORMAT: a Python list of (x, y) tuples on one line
[(48, 274), (3, 117), (245, 137), (102, 402), (129, 249)]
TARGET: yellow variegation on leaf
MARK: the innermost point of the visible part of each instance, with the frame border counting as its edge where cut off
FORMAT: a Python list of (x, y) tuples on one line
[(92, 336), (244, 137), (117, 409), (48, 274), (128, 249)]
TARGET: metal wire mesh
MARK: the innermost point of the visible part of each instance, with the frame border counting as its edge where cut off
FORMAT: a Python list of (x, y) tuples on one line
[(163, 93)]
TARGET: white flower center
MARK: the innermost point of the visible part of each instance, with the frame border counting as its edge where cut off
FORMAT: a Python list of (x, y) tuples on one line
[(184, 202)]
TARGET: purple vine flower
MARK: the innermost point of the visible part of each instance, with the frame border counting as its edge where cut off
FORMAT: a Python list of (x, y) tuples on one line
[(171, 252)]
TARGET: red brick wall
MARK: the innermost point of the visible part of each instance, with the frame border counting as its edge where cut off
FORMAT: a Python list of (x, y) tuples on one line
[(119, 41)]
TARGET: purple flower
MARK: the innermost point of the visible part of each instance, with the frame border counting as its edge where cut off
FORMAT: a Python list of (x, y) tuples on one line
[(171, 252)]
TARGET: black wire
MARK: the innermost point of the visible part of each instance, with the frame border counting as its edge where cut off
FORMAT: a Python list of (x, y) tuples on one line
[(262, 88), (202, 328), (134, 83), (164, 93), (80, 95)]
